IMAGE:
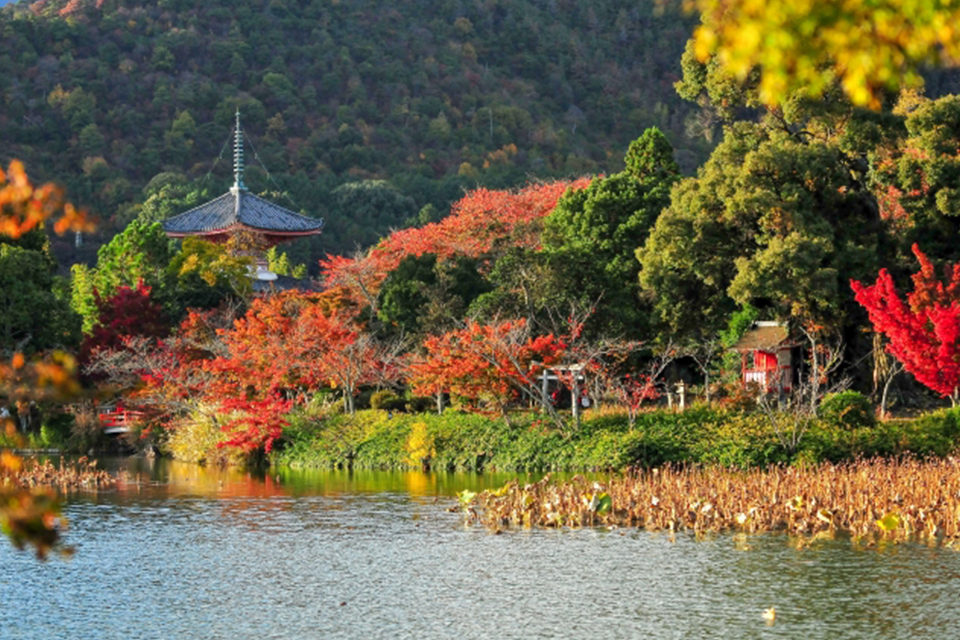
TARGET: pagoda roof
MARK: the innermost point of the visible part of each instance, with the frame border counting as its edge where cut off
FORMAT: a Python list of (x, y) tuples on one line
[(240, 208)]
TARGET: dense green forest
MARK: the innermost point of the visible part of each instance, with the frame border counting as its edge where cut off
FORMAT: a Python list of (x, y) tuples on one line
[(370, 114)]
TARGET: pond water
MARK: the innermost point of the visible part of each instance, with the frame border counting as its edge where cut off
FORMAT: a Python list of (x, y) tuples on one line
[(188, 552)]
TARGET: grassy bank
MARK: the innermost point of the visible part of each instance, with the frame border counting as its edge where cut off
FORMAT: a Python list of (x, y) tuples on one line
[(466, 442)]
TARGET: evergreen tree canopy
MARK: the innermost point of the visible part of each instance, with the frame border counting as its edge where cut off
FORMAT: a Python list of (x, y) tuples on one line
[(592, 234), (771, 220)]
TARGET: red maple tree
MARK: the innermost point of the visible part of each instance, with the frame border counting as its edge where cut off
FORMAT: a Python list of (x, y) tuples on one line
[(923, 330), (285, 348), (127, 313), (477, 222), (489, 364)]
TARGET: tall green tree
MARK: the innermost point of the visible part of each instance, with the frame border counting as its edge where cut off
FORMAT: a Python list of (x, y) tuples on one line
[(166, 195), (141, 252), (771, 220), (404, 292), (425, 296), (523, 284), (592, 234), (916, 178), (362, 210), (35, 316)]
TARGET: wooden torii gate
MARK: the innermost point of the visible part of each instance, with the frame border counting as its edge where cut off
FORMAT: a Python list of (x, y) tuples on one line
[(576, 373)]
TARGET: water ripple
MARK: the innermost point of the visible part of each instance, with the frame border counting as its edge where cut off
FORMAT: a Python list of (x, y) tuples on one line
[(391, 564)]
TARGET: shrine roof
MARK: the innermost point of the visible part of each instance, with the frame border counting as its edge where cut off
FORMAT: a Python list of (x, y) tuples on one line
[(765, 336)]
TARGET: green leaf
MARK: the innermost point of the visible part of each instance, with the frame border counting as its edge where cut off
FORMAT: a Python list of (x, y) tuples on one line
[(604, 503)]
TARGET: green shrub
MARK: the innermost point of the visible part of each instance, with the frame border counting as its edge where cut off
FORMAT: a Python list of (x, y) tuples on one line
[(702, 435), (419, 404), (847, 410), (932, 434), (386, 400), (737, 439), (55, 429), (196, 439)]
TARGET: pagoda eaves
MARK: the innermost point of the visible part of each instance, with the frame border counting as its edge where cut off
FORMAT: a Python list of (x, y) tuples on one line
[(238, 209)]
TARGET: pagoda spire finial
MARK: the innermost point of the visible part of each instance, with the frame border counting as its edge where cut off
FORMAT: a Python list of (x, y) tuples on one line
[(238, 157)]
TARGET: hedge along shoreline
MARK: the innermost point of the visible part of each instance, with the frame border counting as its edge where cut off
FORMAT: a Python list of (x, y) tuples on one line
[(454, 441)]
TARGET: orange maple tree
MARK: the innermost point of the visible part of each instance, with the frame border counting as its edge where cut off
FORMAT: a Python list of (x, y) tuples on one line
[(491, 364), (478, 222), (286, 347)]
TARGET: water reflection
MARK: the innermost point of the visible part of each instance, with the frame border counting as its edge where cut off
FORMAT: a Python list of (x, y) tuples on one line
[(172, 478), (185, 552)]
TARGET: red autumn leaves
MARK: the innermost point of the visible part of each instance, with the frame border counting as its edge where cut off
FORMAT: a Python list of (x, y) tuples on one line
[(484, 363), (923, 330), (480, 220)]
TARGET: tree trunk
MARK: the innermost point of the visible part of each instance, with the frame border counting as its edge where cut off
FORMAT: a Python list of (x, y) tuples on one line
[(883, 396), (575, 402), (544, 397), (348, 401), (814, 374)]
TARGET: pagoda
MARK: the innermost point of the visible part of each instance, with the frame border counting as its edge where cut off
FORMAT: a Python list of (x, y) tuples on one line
[(239, 210)]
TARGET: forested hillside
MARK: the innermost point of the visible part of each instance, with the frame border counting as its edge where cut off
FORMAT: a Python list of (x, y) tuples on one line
[(368, 113)]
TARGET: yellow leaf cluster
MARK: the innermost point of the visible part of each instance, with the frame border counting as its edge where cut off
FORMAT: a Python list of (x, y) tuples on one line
[(419, 445), (807, 44)]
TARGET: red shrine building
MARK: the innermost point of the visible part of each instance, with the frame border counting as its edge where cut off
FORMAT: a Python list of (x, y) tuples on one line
[(239, 210), (767, 357)]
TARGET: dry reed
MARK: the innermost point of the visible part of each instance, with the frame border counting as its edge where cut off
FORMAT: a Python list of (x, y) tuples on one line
[(869, 500), (81, 474)]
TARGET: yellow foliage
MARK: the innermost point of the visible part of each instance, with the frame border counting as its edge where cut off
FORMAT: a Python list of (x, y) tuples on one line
[(197, 439), (419, 444), (806, 44)]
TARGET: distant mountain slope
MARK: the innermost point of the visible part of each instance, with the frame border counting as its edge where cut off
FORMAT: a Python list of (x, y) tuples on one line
[(109, 95)]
